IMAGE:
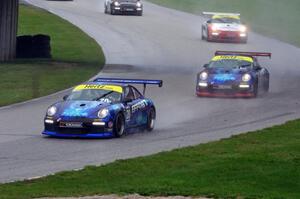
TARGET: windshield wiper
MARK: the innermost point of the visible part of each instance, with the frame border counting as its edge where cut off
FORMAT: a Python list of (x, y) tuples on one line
[(245, 66), (102, 96)]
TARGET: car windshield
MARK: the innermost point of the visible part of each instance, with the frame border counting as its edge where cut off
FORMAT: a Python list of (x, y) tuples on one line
[(226, 20), (106, 96), (230, 63)]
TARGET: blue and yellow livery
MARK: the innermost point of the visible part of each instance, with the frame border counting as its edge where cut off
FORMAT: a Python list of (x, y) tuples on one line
[(233, 74), (105, 107)]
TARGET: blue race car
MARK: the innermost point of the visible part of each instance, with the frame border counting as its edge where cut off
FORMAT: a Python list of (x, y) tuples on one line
[(233, 74), (106, 107)]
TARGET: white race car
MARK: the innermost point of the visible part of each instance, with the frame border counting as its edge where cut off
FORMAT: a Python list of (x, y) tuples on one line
[(123, 7), (224, 27)]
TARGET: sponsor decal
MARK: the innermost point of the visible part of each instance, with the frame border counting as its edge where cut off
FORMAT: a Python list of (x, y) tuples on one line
[(138, 106), (226, 16), (114, 88), (227, 57)]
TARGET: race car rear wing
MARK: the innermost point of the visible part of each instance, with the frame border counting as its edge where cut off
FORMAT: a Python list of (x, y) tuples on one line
[(220, 13), (249, 54), (144, 82)]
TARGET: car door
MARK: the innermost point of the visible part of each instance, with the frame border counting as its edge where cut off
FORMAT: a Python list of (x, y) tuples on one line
[(140, 108), (129, 104)]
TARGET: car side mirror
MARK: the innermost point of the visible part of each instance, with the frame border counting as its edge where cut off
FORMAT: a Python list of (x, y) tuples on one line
[(65, 97), (205, 66)]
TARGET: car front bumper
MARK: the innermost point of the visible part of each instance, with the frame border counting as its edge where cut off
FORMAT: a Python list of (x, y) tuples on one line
[(234, 91), (228, 36), (85, 128), (124, 8)]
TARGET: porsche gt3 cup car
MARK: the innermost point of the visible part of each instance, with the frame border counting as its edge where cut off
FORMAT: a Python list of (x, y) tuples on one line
[(105, 107), (233, 74), (123, 6), (224, 27)]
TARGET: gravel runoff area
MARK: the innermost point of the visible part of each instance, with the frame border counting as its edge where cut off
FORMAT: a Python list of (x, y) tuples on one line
[(135, 196)]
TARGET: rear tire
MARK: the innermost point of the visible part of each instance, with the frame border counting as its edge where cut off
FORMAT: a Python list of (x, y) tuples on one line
[(151, 119), (119, 125)]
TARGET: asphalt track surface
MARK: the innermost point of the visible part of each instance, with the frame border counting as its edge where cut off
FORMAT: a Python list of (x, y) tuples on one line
[(163, 44)]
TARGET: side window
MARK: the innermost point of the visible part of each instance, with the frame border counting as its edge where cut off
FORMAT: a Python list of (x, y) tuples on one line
[(137, 94), (256, 65), (128, 94)]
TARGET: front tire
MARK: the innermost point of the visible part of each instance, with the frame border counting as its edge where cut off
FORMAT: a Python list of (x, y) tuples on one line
[(244, 41), (151, 119), (119, 126), (255, 89), (139, 13), (267, 85), (112, 11), (105, 9)]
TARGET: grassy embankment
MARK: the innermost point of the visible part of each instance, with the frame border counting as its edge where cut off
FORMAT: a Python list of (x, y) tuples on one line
[(276, 18), (76, 57), (262, 164)]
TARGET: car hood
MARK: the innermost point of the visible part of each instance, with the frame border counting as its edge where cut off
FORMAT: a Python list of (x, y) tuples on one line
[(80, 108), (227, 26), (225, 74), (128, 2)]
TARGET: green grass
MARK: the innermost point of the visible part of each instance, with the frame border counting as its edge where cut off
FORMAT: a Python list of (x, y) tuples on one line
[(275, 18), (261, 164), (76, 57)]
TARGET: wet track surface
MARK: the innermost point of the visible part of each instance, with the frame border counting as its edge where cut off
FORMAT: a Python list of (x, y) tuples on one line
[(163, 44)]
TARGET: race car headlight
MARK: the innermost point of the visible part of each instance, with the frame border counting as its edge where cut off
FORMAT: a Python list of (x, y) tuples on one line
[(203, 76), (246, 77), (51, 111), (117, 3), (214, 28), (103, 113), (138, 4), (243, 29)]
